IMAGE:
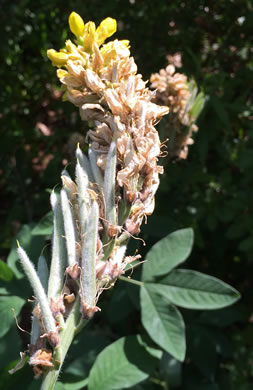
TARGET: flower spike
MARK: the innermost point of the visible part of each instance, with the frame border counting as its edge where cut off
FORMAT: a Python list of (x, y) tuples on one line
[(113, 190)]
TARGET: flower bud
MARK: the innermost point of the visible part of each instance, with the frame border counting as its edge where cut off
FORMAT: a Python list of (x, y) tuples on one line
[(106, 29), (76, 24), (70, 46), (57, 58), (89, 35)]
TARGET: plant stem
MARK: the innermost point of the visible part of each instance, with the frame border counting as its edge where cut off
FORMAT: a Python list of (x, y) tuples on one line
[(66, 337), (133, 281)]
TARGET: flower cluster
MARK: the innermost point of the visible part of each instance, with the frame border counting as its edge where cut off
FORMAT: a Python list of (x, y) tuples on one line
[(96, 213), (103, 82), (175, 91)]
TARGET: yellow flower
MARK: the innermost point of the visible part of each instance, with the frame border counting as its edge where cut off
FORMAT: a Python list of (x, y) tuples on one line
[(62, 73), (71, 47), (87, 33), (89, 36), (57, 58), (76, 24), (106, 29)]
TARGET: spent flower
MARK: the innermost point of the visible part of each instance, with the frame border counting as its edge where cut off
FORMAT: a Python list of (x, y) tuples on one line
[(174, 90)]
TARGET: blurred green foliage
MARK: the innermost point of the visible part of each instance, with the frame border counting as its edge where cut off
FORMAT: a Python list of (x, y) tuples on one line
[(212, 190)]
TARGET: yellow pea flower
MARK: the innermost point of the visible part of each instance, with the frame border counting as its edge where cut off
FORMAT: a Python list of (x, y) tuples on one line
[(89, 35), (76, 24), (62, 73), (106, 29), (57, 58), (71, 47)]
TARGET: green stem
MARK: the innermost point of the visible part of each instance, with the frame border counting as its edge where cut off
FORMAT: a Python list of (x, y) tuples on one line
[(133, 281), (124, 212), (108, 247), (66, 337)]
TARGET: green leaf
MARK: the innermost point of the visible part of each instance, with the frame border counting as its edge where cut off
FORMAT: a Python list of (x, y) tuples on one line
[(5, 272), (83, 352), (71, 385), (6, 314), (147, 385), (18, 287), (193, 89), (45, 226), (123, 364), (167, 253), (60, 386), (198, 105), (8, 354), (24, 376), (163, 322), (194, 290), (76, 385)]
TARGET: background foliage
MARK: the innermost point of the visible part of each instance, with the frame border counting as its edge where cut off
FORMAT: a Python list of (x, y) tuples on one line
[(211, 191)]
